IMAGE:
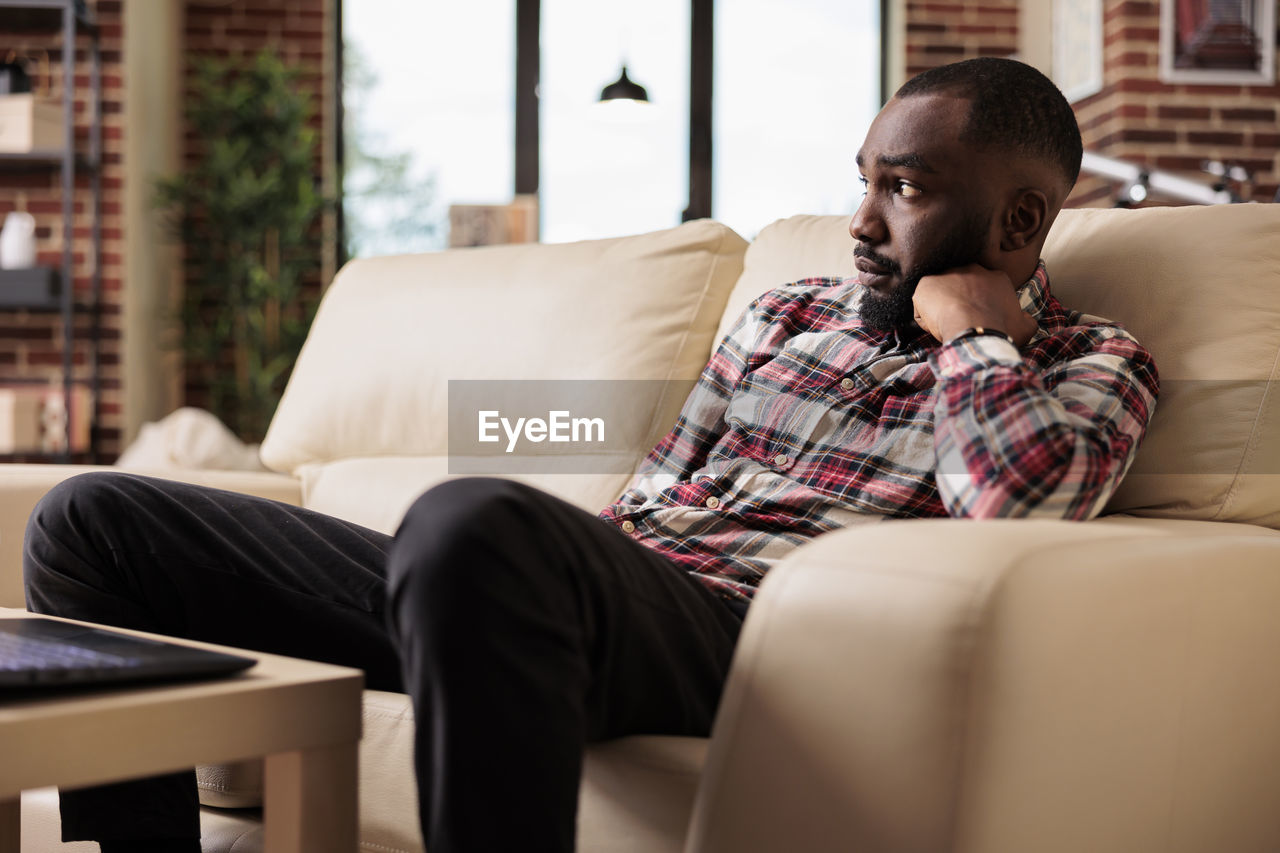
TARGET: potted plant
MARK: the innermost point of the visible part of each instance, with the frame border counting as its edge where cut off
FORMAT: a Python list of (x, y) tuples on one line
[(246, 211)]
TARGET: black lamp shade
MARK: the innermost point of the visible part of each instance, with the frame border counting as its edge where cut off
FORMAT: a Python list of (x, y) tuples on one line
[(624, 89)]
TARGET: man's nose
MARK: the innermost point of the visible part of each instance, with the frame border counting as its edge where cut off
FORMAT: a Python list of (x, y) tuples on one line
[(867, 224)]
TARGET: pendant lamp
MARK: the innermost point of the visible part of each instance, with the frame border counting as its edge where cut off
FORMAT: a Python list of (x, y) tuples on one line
[(624, 89)]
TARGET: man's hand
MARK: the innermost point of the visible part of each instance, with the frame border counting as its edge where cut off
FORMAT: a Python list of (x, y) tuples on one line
[(959, 299)]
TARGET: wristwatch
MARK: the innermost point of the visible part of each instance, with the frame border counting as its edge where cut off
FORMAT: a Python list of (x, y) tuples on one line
[(982, 332)]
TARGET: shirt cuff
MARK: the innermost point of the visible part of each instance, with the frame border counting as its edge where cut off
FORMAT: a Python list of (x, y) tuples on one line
[(970, 354)]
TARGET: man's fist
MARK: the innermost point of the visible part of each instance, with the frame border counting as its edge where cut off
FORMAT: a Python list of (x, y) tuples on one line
[(959, 299)]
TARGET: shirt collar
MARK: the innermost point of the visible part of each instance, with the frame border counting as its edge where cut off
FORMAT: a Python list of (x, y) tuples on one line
[(1034, 296)]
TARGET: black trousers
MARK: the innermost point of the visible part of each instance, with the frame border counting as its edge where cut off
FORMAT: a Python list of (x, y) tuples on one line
[(521, 627)]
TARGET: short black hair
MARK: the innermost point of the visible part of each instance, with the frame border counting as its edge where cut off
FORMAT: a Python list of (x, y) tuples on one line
[(1013, 108)]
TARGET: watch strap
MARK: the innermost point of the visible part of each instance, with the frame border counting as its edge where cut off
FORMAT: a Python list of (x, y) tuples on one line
[(981, 332)]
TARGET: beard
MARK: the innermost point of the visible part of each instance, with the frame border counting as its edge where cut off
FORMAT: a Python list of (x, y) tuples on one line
[(894, 311)]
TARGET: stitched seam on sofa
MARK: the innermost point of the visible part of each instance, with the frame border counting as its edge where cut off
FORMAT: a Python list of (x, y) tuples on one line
[(387, 715), (726, 727), (365, 845), (1187, 626), (1251, 446), (977, 624), (654, 426), (205, 786)]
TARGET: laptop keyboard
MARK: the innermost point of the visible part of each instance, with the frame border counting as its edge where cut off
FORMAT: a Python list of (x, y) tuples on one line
[(18, 653)]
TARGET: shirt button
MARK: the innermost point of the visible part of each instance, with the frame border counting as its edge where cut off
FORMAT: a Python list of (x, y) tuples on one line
[(713, 502), (628, 527), (846, 383), (780, 459)]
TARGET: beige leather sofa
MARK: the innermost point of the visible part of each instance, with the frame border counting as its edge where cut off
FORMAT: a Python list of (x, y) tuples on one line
[(906, 686)]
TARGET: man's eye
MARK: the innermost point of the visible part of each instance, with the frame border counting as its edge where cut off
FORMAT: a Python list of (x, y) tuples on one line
[(863, 181), (907, 190)]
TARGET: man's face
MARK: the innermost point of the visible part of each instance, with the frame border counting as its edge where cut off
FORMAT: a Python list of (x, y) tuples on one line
[(928, 208)]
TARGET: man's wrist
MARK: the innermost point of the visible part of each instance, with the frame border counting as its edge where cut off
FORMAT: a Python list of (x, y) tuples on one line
[(981, 332)]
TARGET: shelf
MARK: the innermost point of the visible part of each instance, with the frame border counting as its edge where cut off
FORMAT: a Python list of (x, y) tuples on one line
[(13, 381), (32, 161), (39, 16), (47, 290)]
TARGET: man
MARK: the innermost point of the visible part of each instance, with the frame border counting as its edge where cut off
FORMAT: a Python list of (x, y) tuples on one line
[(944, 379)]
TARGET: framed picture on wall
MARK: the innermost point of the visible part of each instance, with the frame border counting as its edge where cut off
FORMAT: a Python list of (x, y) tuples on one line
[(1077, 47), (1218, 41)]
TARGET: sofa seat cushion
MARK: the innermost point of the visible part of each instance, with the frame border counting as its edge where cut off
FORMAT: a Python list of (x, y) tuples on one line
[(377, 491), (373, 378), (1198, 286)]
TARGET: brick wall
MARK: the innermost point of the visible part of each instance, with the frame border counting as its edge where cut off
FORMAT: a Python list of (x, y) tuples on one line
[(31, 342), (1135, 117), (1167, 126), (942, 32)]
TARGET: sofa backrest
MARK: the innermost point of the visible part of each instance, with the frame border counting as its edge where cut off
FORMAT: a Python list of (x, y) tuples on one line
[(1198, 286), (365, 418)]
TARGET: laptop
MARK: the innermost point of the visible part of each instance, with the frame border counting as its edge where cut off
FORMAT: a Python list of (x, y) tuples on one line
[(40, 652)]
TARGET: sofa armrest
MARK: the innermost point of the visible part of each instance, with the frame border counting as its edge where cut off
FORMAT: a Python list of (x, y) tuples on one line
[(1005, 685), (21, 486)]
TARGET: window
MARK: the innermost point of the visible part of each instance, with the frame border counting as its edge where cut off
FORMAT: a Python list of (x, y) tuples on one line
[(429, 96), (797, 83), (428, 90), (613, 169)]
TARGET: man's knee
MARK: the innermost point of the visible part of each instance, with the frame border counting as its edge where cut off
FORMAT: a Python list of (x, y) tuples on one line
[(454, 546), (63, 509), (58, 546)]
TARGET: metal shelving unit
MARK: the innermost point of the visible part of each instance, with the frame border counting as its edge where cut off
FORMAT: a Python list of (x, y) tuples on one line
[(72, 20)]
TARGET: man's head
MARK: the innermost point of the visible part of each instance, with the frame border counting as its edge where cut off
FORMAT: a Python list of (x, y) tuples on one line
[(968, 163)]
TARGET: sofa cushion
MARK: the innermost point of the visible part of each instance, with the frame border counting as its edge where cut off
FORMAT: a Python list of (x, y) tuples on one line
[(372, 379), (1198, 286), (788, 250), (376, 491)]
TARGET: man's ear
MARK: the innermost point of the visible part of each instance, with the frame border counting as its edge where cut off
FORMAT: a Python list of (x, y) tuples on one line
[(1025, 219)]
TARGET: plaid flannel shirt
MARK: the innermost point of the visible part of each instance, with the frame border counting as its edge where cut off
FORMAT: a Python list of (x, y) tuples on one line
[(805, 421)]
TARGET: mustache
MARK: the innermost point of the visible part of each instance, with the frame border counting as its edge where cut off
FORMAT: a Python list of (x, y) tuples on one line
[(862, 251)]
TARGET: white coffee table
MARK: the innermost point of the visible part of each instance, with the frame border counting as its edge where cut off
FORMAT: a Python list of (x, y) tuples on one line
[(303, 717)]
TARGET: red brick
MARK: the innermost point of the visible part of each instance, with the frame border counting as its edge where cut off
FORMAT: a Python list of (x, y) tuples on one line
[(1181, 112), (1214, 137), (26, 333), (1136, 84), (1143, 134), (986, 29), (1136, 8), (37, 358), (1146, 35), (261, 13), (1210, 90), (1135, 59), (1247, 114)]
